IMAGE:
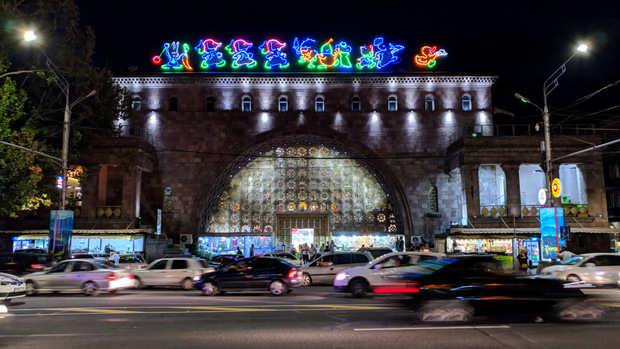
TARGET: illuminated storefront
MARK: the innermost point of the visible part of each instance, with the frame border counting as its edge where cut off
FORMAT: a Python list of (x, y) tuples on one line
[(132, 240)]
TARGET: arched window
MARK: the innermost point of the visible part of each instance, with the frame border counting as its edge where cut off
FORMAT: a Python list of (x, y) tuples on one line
[(283, 104), (246, 104), (466, 103), (356, 105), (392, 103), (210, 104), (173, 104), (429, 103), (319, 104), (136, 103)]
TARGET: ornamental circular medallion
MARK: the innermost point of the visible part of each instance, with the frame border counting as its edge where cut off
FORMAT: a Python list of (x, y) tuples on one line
[(556, 187)]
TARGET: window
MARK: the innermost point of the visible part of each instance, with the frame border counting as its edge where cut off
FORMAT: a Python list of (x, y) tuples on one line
[(136, 102), (246, 104), (210, 104), (356, 105), (344, 258), (81, 266), (392, 103), (433, 199), (283, 104), (429, 103), (466, 103), (319, 104), (360, 258), (179, 264), (159, 265), (173, 104)]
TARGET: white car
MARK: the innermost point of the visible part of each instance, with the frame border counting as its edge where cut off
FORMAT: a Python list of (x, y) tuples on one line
[(88, 276), (172, 272), (600, 269), (376, 274), (11, 287), (130, 261)]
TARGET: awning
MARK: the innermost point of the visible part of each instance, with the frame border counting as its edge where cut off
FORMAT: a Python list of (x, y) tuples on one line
[(129, 234), (80, 236), (519, 233)]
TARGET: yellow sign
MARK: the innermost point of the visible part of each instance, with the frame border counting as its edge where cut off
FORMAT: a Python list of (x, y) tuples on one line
[(556, 187)]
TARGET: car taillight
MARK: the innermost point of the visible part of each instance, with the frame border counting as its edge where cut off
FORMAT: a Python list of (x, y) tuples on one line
[(292, 274), (111, 276), (35, 266), (401, 287), (131, 276)]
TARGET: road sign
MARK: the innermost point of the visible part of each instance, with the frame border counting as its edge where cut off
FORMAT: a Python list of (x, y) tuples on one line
[(542, 196), (564, 232), (556, 187)]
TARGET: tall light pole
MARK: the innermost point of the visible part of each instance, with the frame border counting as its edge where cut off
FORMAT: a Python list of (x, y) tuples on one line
[(550, 84), (64, 87)]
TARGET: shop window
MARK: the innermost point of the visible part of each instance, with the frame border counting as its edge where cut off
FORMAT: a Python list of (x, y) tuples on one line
[(492, 190), (319, 104), (429, 103), (356, 104), (392, 103), (173, 104), (572, 177), (136, 103), (283, 104), (466, 103), (210, 104), (246, 104)]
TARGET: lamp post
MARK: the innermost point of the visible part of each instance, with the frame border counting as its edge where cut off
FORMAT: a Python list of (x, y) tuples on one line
[(550, 84), (64, 87)]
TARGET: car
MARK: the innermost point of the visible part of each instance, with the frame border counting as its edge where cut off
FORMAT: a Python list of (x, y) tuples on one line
[(366, 278), (223, 260), (130, 261), (378, 251), (459, 288), (11, 287), (172, 271), (324, 269), (250, 274), (20, 263), (599, 269), (79, 275), (82, 255), (289, 257)]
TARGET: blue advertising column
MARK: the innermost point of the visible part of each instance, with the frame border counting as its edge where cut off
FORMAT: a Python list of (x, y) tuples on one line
[(551, 219), (61, 230)]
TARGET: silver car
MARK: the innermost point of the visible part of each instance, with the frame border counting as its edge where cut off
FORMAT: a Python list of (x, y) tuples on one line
[(172, 272), (11, 287), (79, 275), (601, 269), (324, 269)]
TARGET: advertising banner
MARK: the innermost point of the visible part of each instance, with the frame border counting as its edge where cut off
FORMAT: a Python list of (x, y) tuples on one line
[(61, 230), (551, 219)]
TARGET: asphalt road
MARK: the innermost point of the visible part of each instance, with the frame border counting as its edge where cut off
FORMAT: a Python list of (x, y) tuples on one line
[(310, 317)]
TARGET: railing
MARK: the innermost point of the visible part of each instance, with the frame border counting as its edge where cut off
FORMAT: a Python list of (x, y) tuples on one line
[(135, 131), (512, 130), (530, 210), (109, 212), (493, 211), (575, 210)]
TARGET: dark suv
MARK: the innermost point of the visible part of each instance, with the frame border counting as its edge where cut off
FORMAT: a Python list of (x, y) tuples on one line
[(20, 263)]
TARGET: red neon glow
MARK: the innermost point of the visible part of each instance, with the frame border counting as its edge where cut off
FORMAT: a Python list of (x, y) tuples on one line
[(397, 290), (156, 59)]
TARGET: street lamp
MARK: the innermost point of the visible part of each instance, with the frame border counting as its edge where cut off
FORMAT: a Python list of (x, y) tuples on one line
[(64, 87), (550, 84)]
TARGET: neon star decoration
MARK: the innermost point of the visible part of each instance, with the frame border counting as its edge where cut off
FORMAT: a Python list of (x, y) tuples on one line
[(428, 56), (208, 51), (274, 57), (239, 49), (175, 60)]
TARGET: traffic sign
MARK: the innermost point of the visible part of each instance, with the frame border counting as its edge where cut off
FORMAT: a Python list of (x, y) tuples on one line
[(565, 232), (542, 196), (556, 187)]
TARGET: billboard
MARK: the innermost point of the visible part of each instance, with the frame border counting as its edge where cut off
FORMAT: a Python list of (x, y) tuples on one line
[(61, 230), (551, 219)]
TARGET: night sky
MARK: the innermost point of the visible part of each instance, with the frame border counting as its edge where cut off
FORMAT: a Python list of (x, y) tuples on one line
[(522, 42)]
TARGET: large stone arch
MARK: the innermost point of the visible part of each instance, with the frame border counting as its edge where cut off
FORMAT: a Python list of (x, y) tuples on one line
[(251, 147)]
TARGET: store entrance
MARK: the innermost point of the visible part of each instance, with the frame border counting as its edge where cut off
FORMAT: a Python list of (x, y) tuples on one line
[(302, 236), (293, 230)]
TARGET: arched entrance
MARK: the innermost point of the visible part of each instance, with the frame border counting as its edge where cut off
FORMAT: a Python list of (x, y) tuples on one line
[(306, 192)]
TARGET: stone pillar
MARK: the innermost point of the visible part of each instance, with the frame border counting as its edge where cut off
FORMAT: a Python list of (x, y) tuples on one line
[(132, 182), (90, 192), (471, 184), (513, 190)]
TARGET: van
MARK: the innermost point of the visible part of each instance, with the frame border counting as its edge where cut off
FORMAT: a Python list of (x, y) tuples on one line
[(323, 270)]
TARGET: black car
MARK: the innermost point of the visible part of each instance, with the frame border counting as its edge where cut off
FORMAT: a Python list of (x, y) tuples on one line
[(20, 263), (255, 273), (459, 288)]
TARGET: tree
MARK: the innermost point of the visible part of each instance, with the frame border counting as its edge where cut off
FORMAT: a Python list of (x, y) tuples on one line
[(32, 105)]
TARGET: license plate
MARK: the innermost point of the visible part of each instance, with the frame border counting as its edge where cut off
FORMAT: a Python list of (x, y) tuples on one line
[(20, 288)]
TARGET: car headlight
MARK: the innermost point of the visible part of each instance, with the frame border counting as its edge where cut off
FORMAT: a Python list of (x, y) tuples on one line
[(341, 276), (197, 278)]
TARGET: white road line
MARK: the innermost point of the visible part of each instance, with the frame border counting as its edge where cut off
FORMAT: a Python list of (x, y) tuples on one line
[(432, 328)]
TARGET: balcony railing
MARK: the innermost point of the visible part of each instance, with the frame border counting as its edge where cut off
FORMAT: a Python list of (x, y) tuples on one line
[(135, 131), (530, 210), (575, 210), (109, 212), (493, 211), (519, 130)]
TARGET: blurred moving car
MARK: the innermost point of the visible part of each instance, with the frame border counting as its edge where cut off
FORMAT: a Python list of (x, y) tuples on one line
[(172, 272), (223, 260), (11, 287), (378, 251), (130, 261), (289, 257), (255, 273), (372, 277), (79, 275), (456, 289), (324, 269), (20, 263), (82, 255), (600, 269)]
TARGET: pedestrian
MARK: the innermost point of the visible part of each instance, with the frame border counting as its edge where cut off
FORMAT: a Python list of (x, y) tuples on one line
[(252, 251), (312, 251), (322, 248), (239, 253), (565, 254), (522, 260), (400, 244), (422, 243), (332, 246), (362, 249), (305, 253)]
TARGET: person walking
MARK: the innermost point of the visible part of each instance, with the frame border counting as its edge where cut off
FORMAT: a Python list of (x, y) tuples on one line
[(313, 251), (522, 261), (565, 254), (252, 251), (305, 253), (323, 248), (239, 253)]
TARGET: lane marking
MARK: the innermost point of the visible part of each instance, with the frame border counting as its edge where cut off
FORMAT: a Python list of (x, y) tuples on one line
[(432, 328), (224, 308), (344, 307), (104, 311)]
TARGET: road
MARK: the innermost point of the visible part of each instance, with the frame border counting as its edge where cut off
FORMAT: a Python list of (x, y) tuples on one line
[(310, 317)]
